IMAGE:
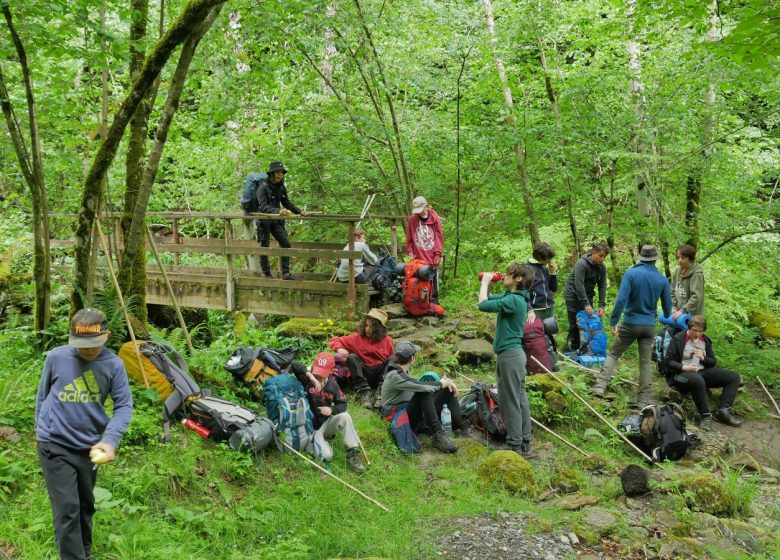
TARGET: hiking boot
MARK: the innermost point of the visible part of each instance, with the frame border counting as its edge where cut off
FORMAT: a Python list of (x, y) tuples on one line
[(288, 276), (354, 462), (467, 432), (724, 416), (598, 390), (378, 399), (366, 398), (526, 451), (268, 275), (443, 442), (706, 423)]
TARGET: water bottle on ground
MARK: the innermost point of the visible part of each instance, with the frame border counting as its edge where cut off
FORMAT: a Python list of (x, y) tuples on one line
[(202, 431), (446, 420)]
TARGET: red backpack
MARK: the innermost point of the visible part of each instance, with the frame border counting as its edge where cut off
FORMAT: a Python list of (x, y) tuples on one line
[(417, 288), (535, 344)]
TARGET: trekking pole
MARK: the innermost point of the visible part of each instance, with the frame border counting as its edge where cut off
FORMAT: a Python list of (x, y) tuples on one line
[(567, 442), (153, 245), (330, 474), (768, 394), (594, 411), (363, 449), (103, 246), (467, 378)]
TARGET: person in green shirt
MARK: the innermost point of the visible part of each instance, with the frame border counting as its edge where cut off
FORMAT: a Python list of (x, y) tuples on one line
[(511, 308)]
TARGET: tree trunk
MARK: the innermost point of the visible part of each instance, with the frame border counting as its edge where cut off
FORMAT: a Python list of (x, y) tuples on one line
[(616, 273), (522, 170), (31, 164), (193, 14)]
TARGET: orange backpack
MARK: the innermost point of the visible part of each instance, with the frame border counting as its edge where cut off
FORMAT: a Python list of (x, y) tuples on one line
[(417, 288)]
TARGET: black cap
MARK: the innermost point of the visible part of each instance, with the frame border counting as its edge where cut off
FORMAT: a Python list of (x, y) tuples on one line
[(406, 349), (276, 166), (88, 328)]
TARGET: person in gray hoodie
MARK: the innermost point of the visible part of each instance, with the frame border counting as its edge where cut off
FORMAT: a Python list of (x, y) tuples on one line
[(687, 283), (580, 287)]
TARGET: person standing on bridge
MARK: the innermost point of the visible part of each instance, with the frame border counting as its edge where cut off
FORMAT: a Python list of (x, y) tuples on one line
[(271, 196)]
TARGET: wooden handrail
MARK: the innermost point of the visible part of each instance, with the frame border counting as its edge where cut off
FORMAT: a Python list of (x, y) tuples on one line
[(239, 216)]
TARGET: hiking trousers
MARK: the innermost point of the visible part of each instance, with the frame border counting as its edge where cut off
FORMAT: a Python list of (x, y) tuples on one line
[(70, 479), (697, 384), (424, 411), (626, 335), (512, 396), (265, 229), (573, 336), (338, 423), (363, 376)]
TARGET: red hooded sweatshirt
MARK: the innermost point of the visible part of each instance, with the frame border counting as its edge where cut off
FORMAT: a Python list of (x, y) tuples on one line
[(424, 238)]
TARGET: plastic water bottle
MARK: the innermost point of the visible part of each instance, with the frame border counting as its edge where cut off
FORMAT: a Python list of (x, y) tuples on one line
[(446, 420), (202, 431)]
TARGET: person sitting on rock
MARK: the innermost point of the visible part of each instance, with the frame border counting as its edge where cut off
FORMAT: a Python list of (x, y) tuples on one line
[(329, 407), (368, 353), (423, 400), (689, 365), (365, 268)]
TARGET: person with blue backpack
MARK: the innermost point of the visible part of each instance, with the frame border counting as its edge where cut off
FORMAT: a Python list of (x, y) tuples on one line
[(329, 407), (270, 197), (580, 288), (641, 288)]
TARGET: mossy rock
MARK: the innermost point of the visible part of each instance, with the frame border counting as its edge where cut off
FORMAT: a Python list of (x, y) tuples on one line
[(586, 535), (544, 383), (566, 479), (768, 324), (472, 450), (317, 329), (705, 492), (596, 464), (508, 469)]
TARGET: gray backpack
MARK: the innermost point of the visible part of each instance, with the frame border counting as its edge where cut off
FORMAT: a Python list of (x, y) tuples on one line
[(243, 429)]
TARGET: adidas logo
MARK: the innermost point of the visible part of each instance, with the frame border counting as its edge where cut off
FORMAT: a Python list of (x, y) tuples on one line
[(84, 389)]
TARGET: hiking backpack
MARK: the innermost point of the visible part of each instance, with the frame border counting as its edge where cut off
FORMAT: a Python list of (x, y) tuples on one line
[(166, 371), (481, 407), (249, 194), (288, 408), (385, 277), (341, 373), (243, 429), (417, 288), (661, 345), (593, 340), (253, 366), (535, 344), (659, 431)]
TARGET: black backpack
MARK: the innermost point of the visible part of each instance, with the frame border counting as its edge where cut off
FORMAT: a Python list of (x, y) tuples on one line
[(480, 407), (659, 431)]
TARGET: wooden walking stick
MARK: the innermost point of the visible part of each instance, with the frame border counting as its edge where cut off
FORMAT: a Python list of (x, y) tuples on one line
[(768, 394), (103, 246), (567, 442), (183, 325), (330, 474), (363, 449), (594, 411)]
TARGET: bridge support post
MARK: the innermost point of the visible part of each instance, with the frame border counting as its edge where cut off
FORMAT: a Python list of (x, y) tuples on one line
[(230, 285), (351, 290)]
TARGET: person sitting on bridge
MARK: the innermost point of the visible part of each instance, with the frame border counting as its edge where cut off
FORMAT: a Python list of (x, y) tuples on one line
[(368, 353), (271, 196), (366, 267)]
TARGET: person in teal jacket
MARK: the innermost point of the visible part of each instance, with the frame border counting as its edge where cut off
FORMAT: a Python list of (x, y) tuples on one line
[(641, 288), (511, 308)]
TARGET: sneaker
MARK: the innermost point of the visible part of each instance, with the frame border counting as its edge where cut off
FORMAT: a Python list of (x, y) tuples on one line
[(442, 442), (724, 416), (706, 423), (288, 276), (366, 398), (354, 462)]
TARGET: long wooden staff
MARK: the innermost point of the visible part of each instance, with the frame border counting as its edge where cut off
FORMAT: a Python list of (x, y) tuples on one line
[(771, 398), (594, 411), (183, 325), (549, 431), (330, 474), (103, 246)]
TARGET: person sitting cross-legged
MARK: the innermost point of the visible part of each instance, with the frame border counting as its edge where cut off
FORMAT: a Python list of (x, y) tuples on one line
[(329, 407), (689, 365), (423, 400)]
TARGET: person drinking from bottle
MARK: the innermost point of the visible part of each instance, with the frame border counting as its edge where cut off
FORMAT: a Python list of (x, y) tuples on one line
[(73, 431), (511, 309)]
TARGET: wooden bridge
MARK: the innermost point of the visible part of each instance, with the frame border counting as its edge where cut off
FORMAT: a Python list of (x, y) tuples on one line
[(198, 280)]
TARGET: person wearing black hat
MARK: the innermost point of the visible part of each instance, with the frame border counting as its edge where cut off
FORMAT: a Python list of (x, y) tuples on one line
[(641, 288), (271, 197), (73, 431)]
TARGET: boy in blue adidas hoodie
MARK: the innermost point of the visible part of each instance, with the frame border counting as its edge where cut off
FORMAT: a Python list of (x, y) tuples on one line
[(641, 288), (71, 424)]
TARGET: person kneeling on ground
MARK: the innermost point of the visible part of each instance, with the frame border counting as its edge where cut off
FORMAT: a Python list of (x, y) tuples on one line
[(368, 353), (424, 400), (329, 407), (365, 268), (689, 364)]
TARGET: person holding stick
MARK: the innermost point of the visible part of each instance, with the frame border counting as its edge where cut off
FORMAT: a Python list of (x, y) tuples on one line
[(329, 407), (511, 308), (73, 431)]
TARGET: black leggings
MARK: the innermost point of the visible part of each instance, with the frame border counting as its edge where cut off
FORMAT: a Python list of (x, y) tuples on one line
[(424, 410), (363, 376), (697, 384)]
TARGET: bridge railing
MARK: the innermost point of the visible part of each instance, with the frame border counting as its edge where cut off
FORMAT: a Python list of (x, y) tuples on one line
[(224, 240)]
